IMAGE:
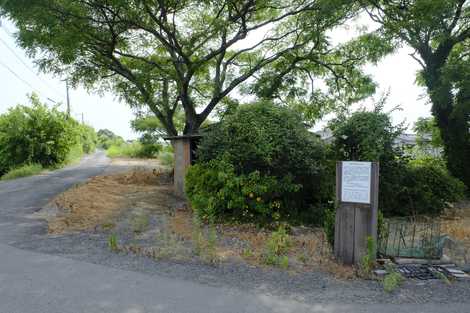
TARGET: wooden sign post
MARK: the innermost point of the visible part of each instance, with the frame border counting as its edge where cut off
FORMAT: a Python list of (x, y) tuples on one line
[(357, 195)]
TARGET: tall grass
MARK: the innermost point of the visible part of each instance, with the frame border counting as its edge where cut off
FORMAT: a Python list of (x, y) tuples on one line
[(23, 171), (130, 150)]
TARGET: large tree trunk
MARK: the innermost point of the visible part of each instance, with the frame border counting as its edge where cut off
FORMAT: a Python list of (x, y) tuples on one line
[(453, 116)]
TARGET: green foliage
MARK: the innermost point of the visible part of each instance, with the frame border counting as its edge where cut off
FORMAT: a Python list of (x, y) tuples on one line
[(140, 223), (393, 280), (438, 31), (201, 59), (267, 162), (367, 263), (329, 222), (204, 245), (132, 150), (23, 171), (428, 133), (407, 187), (113, 243), (107, 138), (37, 134), (88, 138), (166, 156), (425, 188), (215, 191), (365, 136), (277, 248)]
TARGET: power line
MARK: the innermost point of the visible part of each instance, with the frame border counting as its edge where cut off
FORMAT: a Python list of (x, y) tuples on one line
[(19, 77), (28, 67)]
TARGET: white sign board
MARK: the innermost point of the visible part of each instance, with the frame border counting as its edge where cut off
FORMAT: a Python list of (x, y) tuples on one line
[(355, 185)]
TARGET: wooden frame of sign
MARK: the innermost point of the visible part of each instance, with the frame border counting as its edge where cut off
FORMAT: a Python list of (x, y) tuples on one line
[(357, 195)]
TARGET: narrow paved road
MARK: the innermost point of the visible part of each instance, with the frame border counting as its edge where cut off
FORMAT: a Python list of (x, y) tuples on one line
[(32, 282)]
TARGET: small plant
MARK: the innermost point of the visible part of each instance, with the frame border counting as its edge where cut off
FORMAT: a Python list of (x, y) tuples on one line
[(247, 253), (140, 223), (283, 261), (392, 281), (368, 260), (210, 251), (443, 277), (108, 226), (113, 243), (277, 248), (204, 247), (169, 246)]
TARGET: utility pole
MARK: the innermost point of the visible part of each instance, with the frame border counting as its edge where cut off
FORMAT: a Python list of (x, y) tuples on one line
[(83, 119), (68, 97)]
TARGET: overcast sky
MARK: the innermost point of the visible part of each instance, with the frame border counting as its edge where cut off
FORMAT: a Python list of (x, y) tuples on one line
[(19, 77)]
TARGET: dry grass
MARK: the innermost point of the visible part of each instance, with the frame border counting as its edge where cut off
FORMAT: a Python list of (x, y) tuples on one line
[(102, 199), (307, 251), (99, 201), (456, 222)]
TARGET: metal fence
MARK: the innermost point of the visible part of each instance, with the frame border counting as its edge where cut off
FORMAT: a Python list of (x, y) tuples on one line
[(411, 239)]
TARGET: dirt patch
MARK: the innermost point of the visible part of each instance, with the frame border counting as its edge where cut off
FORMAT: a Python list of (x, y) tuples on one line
[(101, 200), (139, 212)]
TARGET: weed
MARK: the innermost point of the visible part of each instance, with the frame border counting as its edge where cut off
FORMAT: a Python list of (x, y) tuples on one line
[(303, 257), (108, 226), (23, 171), (113, 243), (277, 247), (169, 245), (283, 261), (247, 253), (392, 281), (443, 277), (368, 261), (140, 223), (204, 247)]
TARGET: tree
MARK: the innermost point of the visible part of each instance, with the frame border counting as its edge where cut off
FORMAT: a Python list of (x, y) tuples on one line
[(439, 31), (186, 54)]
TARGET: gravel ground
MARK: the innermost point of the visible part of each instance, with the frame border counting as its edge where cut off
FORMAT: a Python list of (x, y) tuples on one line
[(20, 199)]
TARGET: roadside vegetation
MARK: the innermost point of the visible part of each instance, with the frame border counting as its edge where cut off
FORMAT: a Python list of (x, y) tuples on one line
[(35, 137)]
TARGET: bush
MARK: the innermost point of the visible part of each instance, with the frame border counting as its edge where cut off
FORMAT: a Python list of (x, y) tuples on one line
[(268, 145), (150, 146), (23, 171), (107, 138), (130, 150), (407, 187), (215, 191), (426, 187), (88, 138), (36, 134)]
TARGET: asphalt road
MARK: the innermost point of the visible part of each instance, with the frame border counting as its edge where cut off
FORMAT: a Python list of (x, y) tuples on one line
[(32, 282)]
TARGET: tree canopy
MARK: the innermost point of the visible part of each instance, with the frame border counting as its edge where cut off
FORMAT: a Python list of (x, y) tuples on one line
[(439, 32), (192, 55)]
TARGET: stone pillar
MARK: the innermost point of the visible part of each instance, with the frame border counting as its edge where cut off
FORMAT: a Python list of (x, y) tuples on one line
[(183, 147)]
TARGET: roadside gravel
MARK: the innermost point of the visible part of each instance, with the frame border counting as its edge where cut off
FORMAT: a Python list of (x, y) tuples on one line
[(20, 199)]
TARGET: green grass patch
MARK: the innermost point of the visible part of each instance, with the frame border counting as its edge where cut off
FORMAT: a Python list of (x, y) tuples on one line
[(23, 171), (129, 150), (166, 158)]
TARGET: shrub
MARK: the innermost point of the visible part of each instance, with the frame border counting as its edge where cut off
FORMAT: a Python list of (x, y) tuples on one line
[(107, 138), (277, 247), (393, 280), (88, 138), (268, 145), (23, 171), (215, 191), (407, 187), (426, 187), (36, 134)]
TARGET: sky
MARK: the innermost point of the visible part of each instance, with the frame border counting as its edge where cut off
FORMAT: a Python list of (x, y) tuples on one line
[(18, 77)]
